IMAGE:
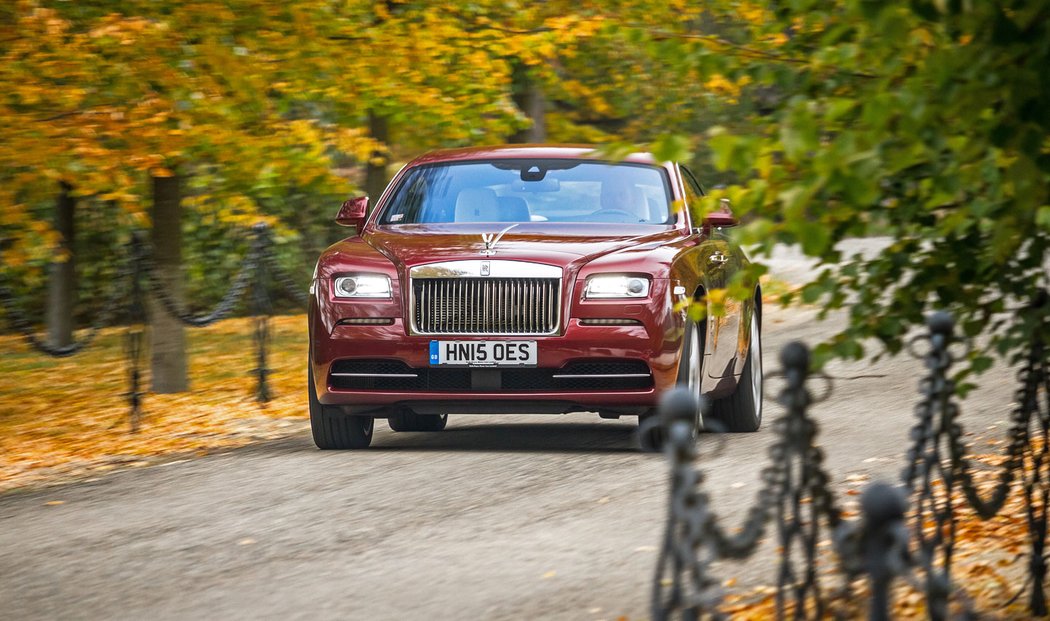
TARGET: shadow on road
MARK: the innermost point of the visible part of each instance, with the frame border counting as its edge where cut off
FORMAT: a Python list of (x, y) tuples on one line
[(552, 437)]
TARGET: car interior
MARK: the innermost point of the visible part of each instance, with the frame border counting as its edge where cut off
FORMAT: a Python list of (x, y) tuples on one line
[(596, 193)]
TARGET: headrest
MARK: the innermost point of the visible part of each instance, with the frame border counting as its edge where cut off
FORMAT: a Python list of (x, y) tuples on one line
[(477, 205), (513, 209)]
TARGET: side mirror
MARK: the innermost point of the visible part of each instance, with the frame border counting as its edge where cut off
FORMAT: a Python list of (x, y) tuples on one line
[(353, 212), (723, 217)]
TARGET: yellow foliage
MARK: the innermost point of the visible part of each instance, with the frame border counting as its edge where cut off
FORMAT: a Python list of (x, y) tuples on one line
[(102, 101), (753, 13), (720, 85)]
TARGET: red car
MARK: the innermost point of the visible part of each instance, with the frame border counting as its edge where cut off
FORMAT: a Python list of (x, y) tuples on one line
[(526, 279)]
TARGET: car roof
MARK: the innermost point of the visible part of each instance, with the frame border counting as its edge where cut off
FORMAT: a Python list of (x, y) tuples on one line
[(526, 151)]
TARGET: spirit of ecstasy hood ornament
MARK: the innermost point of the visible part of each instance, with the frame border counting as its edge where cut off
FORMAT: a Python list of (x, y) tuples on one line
[(491, 239)]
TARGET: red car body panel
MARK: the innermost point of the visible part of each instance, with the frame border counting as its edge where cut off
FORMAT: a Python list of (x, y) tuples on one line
[(672, 255)]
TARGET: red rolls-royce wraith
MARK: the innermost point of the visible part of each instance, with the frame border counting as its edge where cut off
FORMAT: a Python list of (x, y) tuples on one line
[(526, 279)]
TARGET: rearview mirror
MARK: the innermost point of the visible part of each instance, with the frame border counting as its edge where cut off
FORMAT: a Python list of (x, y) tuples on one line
[(353, 212), (723, 217)]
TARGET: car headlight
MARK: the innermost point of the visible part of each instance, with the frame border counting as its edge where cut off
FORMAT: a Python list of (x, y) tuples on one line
[(362, 286), (616, 286)]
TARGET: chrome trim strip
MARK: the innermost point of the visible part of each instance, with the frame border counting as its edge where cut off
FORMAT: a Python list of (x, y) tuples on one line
[(498, 268), (374, 375), (599, 375)]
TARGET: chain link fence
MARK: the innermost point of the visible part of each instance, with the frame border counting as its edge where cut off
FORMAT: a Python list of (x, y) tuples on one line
[(905, 532), (139, 277)]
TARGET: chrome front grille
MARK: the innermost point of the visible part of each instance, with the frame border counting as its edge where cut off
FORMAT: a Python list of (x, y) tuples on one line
[(486, 305)]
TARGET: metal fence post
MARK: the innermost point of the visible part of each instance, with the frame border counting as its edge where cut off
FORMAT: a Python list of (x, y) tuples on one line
[(884, 543), (136, 326), (683, 583), (1037, 482), (262, 308)]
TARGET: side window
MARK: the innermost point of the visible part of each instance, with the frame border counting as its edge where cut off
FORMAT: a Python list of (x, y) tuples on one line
[(692, 187)]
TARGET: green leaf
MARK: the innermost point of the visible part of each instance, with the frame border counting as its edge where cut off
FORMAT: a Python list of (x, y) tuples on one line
[(1042, 217), (814, 238), (671, 148)]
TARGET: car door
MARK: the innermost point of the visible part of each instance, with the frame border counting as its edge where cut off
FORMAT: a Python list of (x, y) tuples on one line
[(719, 261)]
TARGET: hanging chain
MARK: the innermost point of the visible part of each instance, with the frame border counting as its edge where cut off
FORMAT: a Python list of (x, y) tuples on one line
[(293, 289), (797, 487), (938, 464), (794, 485), (105, 317), (1037, 468), (928, 463), (1037, 491), (251, 263), (683, 582), (806, 498)]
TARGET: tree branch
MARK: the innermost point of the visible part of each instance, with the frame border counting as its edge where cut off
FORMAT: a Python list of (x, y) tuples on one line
[(69, 113), (745, 51)]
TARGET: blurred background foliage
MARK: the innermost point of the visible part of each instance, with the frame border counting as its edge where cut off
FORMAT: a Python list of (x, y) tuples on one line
[(923, 120), (278, 111)]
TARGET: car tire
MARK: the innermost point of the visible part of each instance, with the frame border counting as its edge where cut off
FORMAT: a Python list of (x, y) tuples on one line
[(741, 411), (334, 429), (407, 420), (690, 370)]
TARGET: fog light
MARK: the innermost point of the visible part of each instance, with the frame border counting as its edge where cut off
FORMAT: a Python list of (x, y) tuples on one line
[(610, 322), (366, 321)]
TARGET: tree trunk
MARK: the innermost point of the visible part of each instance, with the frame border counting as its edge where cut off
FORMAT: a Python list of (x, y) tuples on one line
[(62, 294), (375, 170), (168, 338), (529, 97)]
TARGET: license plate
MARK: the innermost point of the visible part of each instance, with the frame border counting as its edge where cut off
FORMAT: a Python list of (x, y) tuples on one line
[(483, 353)]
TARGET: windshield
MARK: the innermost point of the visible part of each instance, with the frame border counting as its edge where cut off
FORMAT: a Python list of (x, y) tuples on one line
[(532, 190)]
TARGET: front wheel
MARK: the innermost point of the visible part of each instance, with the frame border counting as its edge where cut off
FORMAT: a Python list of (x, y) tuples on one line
[(332, 428), (690, 367), (742, 410)]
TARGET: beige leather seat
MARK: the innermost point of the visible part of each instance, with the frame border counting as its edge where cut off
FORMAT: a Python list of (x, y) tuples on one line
[(477, 205), (513, 209), (618, 195)]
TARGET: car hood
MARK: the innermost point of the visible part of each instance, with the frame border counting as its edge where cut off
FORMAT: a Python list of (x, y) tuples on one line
[(565, 245)]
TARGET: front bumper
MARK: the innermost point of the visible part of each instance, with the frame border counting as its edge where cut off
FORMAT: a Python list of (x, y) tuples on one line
[(647, 343), (655, 340)]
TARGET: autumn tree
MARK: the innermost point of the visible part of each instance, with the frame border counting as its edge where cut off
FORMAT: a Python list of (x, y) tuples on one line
[(113, 99), (926, 122), (241, 113)]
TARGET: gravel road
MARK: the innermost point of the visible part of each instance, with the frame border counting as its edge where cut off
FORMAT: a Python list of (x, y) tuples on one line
[(516, 517)]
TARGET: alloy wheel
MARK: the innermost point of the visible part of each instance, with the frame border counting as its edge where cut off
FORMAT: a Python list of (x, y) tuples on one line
[(756, 365)]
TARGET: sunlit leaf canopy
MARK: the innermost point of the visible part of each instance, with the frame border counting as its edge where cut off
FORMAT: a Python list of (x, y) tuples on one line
[(251, 98), (924, 121)]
